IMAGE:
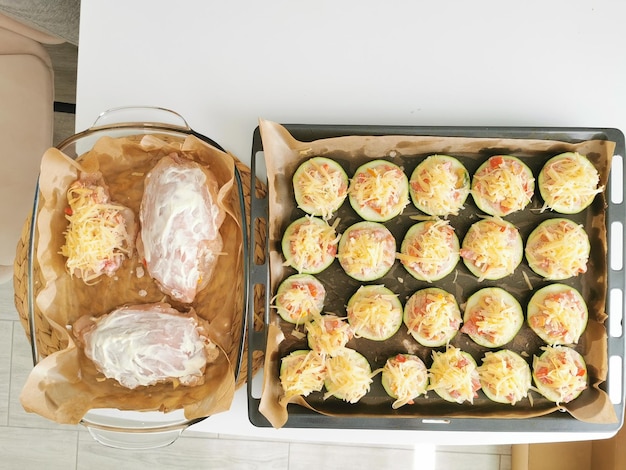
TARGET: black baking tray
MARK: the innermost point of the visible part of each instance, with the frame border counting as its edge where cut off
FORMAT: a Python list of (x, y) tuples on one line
[(300, 417)]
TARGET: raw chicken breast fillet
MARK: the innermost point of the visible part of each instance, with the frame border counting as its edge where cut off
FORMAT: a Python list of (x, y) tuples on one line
[(147, 344), (180, 221)]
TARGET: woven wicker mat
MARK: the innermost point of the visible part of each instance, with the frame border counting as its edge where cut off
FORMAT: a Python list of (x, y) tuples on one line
[(50, 340)]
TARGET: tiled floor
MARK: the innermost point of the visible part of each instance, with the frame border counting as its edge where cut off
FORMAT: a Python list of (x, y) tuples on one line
[(30, 442)]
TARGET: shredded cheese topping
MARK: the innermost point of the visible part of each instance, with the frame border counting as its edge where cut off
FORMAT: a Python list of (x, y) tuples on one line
[(429, 250), (569, 183), (558, 249), (505, 375), (560, 373), (374, 312), (558, 317), (367, 252), (439, 186), (96, 240), (312, 244), (302, 373), (299, 299), (454, 375), (493, 316), (381, 188), (406, 377), (348, 376), (432, 316), (494, 247), (328, 334), (504, 184), (320, 186)]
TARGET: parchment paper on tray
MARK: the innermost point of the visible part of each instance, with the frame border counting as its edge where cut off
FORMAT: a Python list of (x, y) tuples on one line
[(65, 385), (283, 154)]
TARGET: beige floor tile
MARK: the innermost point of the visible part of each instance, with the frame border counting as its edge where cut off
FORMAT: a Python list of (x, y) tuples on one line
[(6, 338), (505, 462), (37, 449), (186, 452), (21, 365), (466, 461), (306, 456), (7, 307)]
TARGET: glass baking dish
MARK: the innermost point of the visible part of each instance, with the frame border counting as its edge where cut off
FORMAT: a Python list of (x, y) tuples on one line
[(112, 427)]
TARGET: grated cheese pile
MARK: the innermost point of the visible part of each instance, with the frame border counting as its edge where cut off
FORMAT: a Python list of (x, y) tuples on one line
[(569, 184), (454, 375), (311, 243), (503, 184), (431, 251), (407, 378), (300, 300), (560, 373), (374, 314), (493, 247), (328, 334), (560, 316), (302, 373), (381, 188), (348, 376), (495, 319), (559, 249), (505, 375), (96, 240), (367, 252), (433, 316), (439, 188), (322, 187)]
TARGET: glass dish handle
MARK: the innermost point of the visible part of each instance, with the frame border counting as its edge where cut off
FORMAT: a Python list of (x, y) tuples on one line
[(141, 114), (135, 440)]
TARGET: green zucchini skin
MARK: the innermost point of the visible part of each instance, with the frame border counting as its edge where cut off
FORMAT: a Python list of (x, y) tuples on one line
[(470, 317), (501, 208), (369, 331), (376, 210), (448, 264), (550, 392), (288, 283), (533, 310), (578, 204), (325, 255), (423, 196), (371, 232), (336, 189)]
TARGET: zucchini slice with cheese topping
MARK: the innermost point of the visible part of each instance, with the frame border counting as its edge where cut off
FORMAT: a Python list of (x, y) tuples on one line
[(367, 251), (432, 316), (374, 312), (320, 186), (404, 377), (310, 245), (568, 183), (379, 191), (560, 373), (505, 376), (299, 297)]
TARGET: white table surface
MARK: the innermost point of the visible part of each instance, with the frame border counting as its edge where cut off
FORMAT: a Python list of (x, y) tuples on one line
[(223, 65)]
